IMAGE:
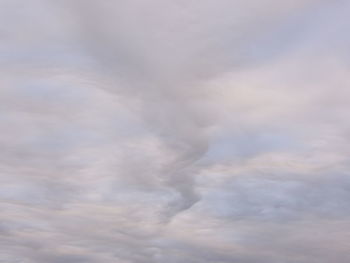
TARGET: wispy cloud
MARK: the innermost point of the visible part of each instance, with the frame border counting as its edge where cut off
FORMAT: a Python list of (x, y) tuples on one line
[(174, 131)]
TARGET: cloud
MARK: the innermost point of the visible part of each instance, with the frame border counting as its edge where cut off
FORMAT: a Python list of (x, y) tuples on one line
[(174, 131)]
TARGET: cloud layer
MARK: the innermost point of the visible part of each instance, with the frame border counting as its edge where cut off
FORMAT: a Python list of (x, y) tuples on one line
[(174, 131)]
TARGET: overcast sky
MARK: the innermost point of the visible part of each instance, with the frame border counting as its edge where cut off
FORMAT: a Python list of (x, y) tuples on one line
[(174, 131)]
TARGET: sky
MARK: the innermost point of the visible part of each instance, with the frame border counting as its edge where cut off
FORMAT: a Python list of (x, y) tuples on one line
[(174, 131)]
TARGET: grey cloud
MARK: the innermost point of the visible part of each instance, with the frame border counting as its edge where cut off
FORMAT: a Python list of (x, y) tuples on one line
[(153, 46), (174, 131)]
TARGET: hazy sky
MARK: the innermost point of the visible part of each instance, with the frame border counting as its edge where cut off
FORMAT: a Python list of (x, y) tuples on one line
[(174, 131)]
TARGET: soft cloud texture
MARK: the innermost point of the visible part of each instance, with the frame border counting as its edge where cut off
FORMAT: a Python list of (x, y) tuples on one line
[(174, 131)]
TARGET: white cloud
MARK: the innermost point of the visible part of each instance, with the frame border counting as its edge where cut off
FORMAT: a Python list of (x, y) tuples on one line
[(174, 131)]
